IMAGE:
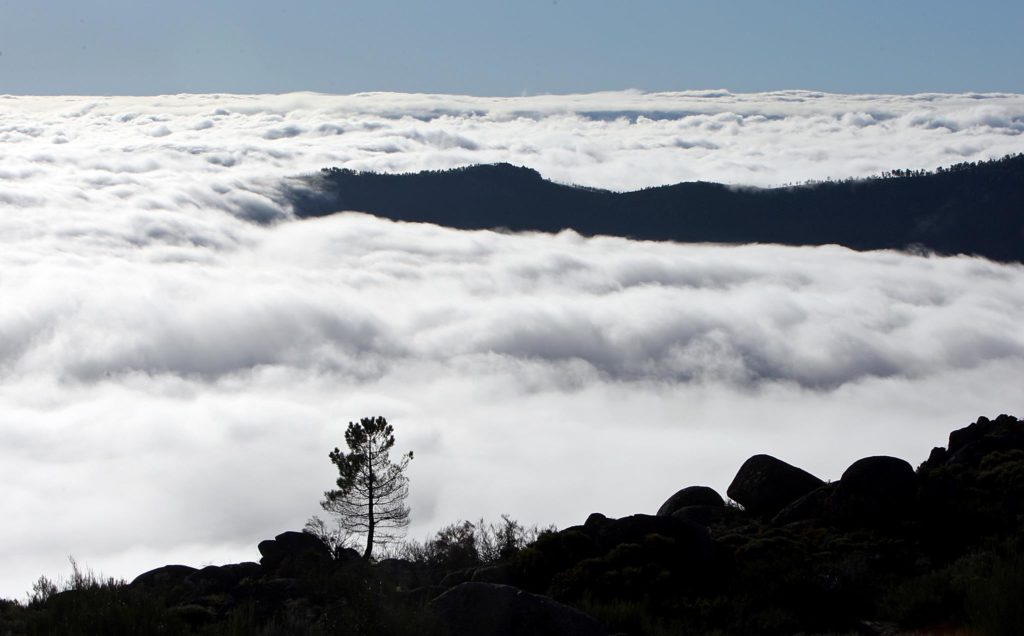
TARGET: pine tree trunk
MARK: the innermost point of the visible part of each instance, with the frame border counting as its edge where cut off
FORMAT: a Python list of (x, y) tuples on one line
[(370, 523)]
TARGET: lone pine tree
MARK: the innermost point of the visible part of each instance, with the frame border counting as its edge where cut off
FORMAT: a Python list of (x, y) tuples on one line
[(371, 493)]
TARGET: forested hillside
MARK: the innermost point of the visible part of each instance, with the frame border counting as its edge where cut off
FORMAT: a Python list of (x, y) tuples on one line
[(971, 208)]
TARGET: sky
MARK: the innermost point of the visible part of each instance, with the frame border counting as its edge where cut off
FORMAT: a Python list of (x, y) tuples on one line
[(144, 47), (178, 353)]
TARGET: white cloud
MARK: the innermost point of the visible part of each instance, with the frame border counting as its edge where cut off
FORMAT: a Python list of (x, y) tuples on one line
[(173, 375)]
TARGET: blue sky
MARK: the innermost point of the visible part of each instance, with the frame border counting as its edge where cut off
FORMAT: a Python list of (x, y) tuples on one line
[(508, 48)]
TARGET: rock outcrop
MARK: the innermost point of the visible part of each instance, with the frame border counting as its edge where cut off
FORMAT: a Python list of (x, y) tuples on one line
[(691, 496), (873, 490), (813, 505), (918, 550), (162, 577), (291, 552), (219, 579), (765, 485)]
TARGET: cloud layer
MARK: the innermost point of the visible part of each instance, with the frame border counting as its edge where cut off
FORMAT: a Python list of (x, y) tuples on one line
[(173, 374), (619, 140)]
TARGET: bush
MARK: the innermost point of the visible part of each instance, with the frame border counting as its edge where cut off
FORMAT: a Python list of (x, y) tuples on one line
[(89, 604), (464, 544)]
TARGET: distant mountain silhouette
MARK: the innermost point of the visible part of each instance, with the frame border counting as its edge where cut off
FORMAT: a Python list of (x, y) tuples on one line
[(971, 208)]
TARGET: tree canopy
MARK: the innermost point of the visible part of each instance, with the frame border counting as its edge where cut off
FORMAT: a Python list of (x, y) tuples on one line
[(371, 493)]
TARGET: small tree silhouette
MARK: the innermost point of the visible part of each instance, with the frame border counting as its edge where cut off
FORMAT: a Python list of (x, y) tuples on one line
[(371, 493)]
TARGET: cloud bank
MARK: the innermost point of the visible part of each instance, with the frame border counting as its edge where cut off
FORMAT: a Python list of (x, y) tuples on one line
[(621, 140), (174, 374)]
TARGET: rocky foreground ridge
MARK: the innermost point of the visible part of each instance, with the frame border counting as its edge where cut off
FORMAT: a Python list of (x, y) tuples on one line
[(886, 549)]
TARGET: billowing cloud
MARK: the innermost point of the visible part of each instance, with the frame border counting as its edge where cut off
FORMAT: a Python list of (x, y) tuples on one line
[(619, 140), (178, 355)]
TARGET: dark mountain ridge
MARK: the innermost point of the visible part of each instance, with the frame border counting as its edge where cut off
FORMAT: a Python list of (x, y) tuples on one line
[(970, 208)]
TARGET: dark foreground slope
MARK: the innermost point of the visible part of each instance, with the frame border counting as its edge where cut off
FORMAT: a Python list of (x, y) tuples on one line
[(886, 549), (967, 209)]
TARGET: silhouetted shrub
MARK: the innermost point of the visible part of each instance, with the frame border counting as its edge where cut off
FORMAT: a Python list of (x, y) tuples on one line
[(464, 544)]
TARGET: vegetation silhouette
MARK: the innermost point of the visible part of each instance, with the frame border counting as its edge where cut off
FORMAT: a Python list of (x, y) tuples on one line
[(969, 208), (371, 493), (885, 549)]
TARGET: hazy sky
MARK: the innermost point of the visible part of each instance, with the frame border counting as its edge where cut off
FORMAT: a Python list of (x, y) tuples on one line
[(486, 47)]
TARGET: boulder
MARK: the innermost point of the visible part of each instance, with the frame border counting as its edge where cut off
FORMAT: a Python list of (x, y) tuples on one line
[(167, 576), (490, 609), (877, 476), (765, 485), (691, 496), (345, 555), (301, 543), (293, 551), (709, 515), (873, 489), (493, 574), (813, 505), (692, 538), (223, 578), (1005, 431), (970, 445), (573, 558), (457, 577), (974, 453), (936, 458), (269, 592), (972, 433)]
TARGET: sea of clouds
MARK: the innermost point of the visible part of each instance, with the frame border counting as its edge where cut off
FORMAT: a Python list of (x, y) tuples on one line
[(178, 354)]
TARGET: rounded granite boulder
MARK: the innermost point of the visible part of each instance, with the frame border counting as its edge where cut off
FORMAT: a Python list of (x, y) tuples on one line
[(691, 496), (765, 485)]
